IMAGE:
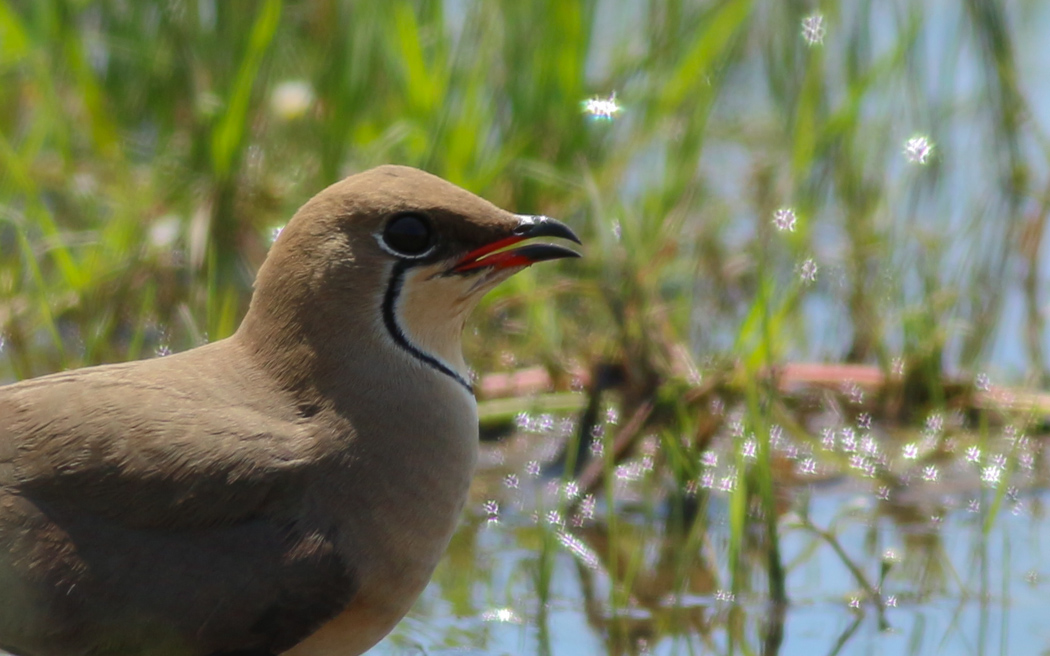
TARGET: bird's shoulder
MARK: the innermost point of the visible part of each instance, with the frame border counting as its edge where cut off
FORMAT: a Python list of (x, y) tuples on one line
[(186, 439)]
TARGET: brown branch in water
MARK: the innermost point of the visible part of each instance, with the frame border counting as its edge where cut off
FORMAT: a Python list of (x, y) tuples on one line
[(803, 386), (795, 379)]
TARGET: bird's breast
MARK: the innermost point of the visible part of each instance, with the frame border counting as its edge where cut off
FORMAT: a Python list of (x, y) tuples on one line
[(409, 473)]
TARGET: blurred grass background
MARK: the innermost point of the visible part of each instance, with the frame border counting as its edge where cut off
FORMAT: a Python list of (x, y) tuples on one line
[(147, 151)]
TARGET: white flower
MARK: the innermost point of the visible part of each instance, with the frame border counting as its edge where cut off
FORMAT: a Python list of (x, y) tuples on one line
[(291, 99)]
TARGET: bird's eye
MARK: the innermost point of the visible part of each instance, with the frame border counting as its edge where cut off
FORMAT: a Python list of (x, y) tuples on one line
[(408, 234)]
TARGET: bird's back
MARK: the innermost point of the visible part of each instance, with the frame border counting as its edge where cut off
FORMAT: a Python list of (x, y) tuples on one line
[(171, 524)]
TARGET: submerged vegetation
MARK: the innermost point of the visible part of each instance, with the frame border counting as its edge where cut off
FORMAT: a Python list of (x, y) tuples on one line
[(759, 184)]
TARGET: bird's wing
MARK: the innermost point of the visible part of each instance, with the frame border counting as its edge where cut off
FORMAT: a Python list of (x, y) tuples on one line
[(148, 448), (149, 498)]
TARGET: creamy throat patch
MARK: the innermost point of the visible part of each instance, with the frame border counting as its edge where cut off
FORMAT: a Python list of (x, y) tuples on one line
[(429, 308)]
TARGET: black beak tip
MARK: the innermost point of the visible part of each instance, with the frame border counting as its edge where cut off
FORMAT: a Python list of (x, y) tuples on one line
[(544, 226), (534, 253)]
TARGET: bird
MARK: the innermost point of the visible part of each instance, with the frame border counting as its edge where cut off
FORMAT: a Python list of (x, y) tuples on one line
[(288, 489)]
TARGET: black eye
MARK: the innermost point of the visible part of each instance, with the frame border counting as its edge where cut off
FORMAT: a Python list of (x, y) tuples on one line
[(408, 234)]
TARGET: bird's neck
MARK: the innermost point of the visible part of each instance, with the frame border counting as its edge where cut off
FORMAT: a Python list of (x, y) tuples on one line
[(346, 362), (347, 353)]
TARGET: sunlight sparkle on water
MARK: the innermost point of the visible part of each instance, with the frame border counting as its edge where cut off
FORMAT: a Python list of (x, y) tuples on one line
[(848, 440), (504, 615), (918, 149), (863, 464), (707, 480), (576, 546), (491, 509), (868, 445), (1011, 433), (544, 423), (597, 431), (808, 272), (602, 109), (897, 367), (587, 507), (784, 219), (571, 490), (776, 436), (813, 29), (991, 474), (629, 471), (750, 449), (725, 595), (935, 423), (1027, 460), (597, 448), (973, 454)]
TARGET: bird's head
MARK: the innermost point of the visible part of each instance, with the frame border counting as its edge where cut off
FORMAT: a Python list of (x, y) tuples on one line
[(396, 257)]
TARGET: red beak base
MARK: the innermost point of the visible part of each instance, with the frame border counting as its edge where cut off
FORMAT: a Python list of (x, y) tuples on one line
[(492, 255)]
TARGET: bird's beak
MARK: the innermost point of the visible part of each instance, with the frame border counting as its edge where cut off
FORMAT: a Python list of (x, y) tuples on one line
[(493, 254)]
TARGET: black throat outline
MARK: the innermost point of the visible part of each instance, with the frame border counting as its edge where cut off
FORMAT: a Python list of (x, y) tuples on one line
[(393, 291)]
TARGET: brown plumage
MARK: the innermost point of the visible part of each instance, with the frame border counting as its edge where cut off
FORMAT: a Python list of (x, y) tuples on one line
[(289, 489)]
